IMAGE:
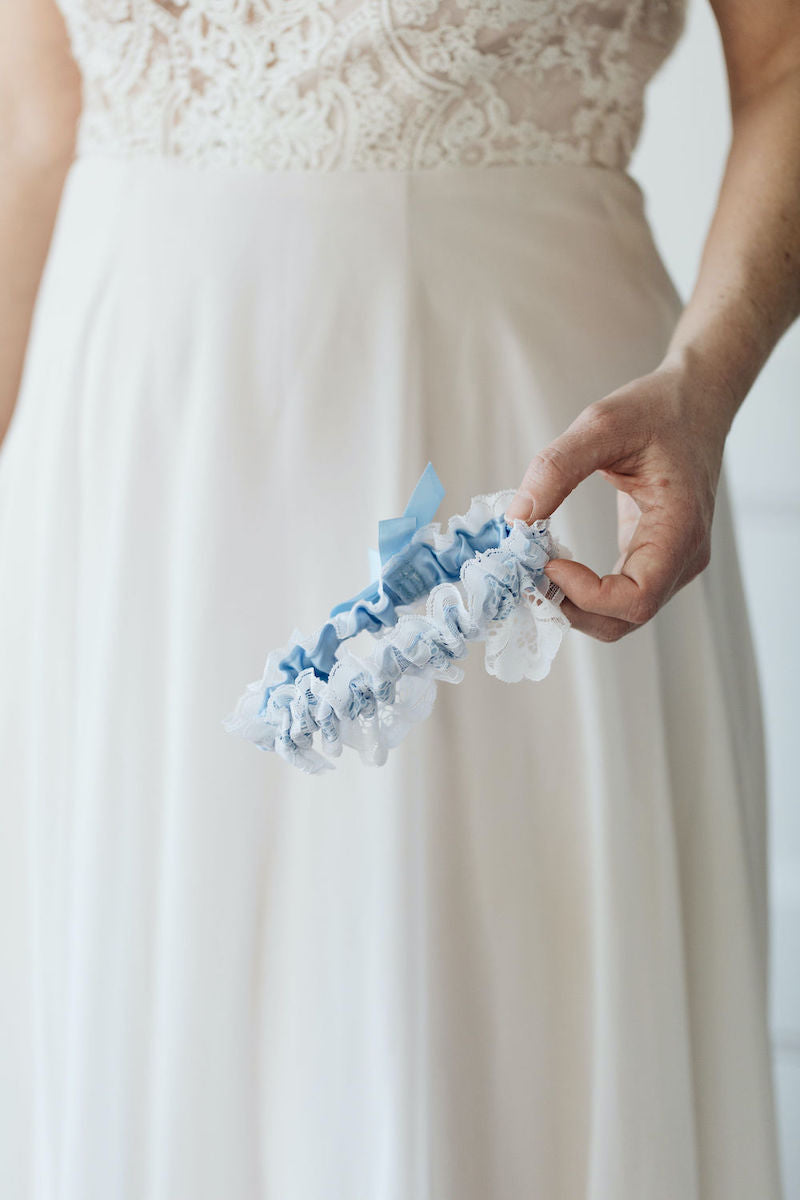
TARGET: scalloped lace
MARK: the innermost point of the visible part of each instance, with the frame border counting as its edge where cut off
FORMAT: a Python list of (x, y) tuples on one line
[(501, 597), (328, 84)]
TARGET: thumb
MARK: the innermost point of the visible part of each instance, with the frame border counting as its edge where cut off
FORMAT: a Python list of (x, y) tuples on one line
[(558, 469)]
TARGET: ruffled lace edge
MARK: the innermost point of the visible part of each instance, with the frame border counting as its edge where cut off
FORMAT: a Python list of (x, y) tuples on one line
[(501, 597)]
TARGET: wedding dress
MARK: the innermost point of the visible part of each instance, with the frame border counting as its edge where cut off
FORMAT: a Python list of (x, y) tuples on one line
[(306, 247)]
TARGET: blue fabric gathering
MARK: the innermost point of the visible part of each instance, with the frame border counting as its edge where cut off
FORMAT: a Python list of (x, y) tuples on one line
[(409, 570)]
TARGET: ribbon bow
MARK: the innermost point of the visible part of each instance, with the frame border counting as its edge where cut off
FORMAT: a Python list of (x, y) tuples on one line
[(396, 532)]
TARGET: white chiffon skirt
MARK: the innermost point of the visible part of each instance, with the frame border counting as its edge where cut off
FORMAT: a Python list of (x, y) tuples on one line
[(525, 959)]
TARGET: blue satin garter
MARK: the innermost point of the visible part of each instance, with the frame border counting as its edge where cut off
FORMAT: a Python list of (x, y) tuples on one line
[(481, 580)]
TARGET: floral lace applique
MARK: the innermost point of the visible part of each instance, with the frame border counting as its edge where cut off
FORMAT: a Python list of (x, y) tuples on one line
[(359, 84)]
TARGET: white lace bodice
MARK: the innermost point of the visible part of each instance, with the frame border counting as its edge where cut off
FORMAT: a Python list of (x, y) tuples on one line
[(391, 84)]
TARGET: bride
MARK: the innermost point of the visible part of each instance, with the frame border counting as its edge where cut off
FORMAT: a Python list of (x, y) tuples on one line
[(262, 260)]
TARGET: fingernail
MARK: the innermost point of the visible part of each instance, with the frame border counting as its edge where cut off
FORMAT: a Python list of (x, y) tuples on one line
[(522, 506)]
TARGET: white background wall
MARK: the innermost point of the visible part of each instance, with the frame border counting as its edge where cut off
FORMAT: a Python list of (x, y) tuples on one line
[(679, 163)]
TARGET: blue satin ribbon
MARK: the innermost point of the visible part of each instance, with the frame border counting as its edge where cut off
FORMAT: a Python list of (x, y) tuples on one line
[(396, 532), (413, 575)]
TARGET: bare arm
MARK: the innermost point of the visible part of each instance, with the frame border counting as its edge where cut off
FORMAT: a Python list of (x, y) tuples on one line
[(660, 438), (747, 291), (39, 107)]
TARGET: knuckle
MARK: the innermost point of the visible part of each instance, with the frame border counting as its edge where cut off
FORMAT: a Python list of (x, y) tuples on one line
[(609, 632), (698, 556), (643, 609), (601, 416), (703, 557), (697, 537), (548, 462)]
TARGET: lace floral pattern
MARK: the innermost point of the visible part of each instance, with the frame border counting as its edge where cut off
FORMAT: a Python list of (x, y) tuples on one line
[(314, 685), (388, 84)]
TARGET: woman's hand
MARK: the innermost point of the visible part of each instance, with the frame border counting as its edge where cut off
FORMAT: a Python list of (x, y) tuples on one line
[(659, 440)]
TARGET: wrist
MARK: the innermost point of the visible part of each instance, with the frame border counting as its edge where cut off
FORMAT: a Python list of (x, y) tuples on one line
[(701, 386)]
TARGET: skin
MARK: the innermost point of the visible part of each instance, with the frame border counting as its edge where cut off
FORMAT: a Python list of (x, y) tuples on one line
[(39, 107), (659, 439)]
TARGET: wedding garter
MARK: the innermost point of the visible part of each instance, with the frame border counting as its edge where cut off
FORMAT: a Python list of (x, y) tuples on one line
[(481, 581)]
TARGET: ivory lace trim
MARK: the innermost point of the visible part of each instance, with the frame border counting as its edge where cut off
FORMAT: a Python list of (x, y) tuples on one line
[(498, 595)]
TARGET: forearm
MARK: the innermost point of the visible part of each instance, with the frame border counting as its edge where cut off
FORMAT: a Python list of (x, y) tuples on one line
[(747, 291), (29, 196)]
